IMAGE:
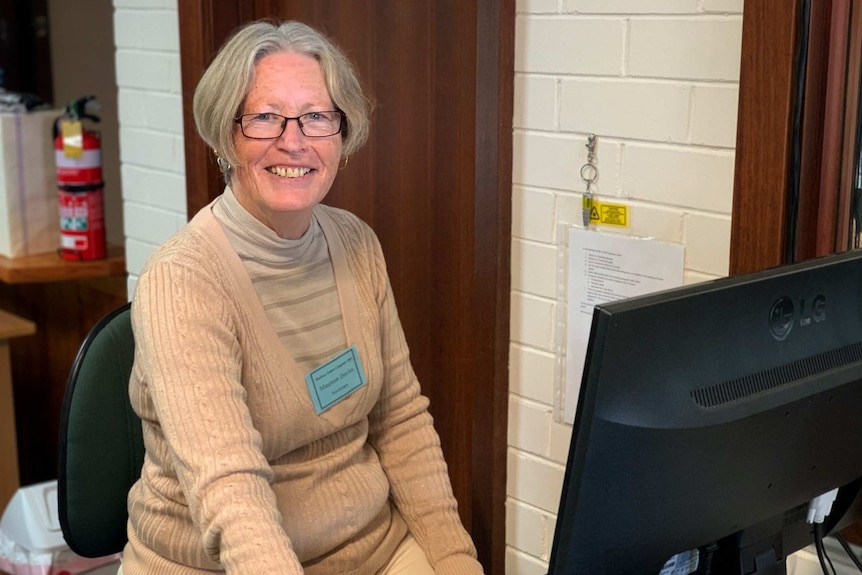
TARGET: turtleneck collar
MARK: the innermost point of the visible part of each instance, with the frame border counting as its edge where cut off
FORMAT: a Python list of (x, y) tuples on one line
[(252, 239)]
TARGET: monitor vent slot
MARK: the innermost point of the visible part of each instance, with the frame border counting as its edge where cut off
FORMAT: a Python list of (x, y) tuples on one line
[(734, 390)]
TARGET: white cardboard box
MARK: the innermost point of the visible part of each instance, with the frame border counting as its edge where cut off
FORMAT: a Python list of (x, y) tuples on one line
[(29, 213)]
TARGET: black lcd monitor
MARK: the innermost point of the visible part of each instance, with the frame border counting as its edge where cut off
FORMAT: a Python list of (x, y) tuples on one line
[(709, 416)]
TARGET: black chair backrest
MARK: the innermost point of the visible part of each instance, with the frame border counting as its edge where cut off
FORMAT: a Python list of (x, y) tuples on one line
[(101, 445)]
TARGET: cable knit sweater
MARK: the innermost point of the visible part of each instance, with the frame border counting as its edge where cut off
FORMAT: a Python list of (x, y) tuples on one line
[(241, 475)]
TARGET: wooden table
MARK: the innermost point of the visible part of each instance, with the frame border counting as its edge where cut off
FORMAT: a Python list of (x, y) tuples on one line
[(10, 326), (50, 267)]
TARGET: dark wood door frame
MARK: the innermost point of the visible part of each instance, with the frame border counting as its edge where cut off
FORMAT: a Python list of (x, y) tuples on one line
[(768, 227), (479, 412), (761, 176)]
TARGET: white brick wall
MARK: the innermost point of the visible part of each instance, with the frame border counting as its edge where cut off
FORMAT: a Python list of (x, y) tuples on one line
[(656, 81), (151, 126)]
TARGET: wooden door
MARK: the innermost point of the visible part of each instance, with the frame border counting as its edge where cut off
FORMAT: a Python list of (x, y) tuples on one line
[(434, 181)]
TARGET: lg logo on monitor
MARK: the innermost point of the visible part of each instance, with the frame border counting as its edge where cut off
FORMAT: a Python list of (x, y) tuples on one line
[(785, 314)]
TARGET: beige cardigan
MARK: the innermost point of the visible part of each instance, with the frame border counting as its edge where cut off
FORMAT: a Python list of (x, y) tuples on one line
[(241, 475)]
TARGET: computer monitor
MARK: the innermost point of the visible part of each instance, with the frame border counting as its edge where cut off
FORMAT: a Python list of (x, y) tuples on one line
[(709, 416)]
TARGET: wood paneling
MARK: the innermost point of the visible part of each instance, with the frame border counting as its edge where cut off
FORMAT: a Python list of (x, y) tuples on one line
[(63, 313), (850, 102), (827, 134), (204, 24), (795, 168), (763, 155), (492, 214), (803, 222), (434, 181)]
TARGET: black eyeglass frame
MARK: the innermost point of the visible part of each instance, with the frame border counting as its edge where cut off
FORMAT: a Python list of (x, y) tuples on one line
[(341, 118)]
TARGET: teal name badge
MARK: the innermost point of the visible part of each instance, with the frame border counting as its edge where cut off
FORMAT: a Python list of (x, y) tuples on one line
[(336, 379)]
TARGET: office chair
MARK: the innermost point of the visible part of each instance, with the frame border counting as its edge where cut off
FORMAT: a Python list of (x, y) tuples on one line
[(101, 445)]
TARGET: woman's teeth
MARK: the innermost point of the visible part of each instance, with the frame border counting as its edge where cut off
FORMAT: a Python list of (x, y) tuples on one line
[(289, 172)]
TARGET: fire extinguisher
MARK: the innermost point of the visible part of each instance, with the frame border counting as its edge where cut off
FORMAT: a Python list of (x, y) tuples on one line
[(78, 156)]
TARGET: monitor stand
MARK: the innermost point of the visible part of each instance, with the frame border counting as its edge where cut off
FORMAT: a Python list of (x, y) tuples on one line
[(766, 564), (728, 557)]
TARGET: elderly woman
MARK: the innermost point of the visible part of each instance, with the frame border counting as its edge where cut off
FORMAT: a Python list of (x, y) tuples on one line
[(284, 427)]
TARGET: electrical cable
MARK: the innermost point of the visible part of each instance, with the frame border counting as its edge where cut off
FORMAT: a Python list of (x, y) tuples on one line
[(796, 137), (849, 550), (855, 228), (825, 563)]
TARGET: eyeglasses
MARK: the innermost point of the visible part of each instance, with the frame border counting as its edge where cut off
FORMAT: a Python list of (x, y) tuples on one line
[(267, 126)]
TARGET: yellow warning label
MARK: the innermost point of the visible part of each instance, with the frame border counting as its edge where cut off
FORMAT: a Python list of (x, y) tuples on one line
[(609, 214), (73, 138)]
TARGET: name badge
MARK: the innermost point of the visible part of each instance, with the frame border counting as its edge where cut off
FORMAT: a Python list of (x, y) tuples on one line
[(334, 380)]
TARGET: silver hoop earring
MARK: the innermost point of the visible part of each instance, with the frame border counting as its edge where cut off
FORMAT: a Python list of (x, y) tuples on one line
[(346, 160)]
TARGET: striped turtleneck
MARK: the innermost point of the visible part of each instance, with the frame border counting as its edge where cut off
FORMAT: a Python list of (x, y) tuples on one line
[(293, 279)]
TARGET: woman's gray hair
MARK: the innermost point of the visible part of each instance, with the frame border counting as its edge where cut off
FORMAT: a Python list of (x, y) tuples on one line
[(226, 82)]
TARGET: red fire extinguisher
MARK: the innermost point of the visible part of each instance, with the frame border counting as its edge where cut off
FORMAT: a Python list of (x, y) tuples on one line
[(78, 156)]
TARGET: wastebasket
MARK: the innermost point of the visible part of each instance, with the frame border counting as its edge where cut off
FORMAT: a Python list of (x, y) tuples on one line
[(31, 541)]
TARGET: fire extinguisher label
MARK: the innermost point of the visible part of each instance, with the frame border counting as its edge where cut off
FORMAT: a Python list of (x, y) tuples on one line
[(73, 213), (82, 229), (76, 243), (73, 138), (85, 169)]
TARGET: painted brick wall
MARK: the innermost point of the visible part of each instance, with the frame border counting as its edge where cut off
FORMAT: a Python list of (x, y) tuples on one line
[(151, 126), (657, 83)]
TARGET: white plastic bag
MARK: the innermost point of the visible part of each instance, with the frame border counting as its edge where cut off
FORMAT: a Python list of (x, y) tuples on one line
[(31, 541)]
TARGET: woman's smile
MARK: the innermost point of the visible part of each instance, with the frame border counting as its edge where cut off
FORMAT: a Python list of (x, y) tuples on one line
[(288, 172), (290, 85)]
